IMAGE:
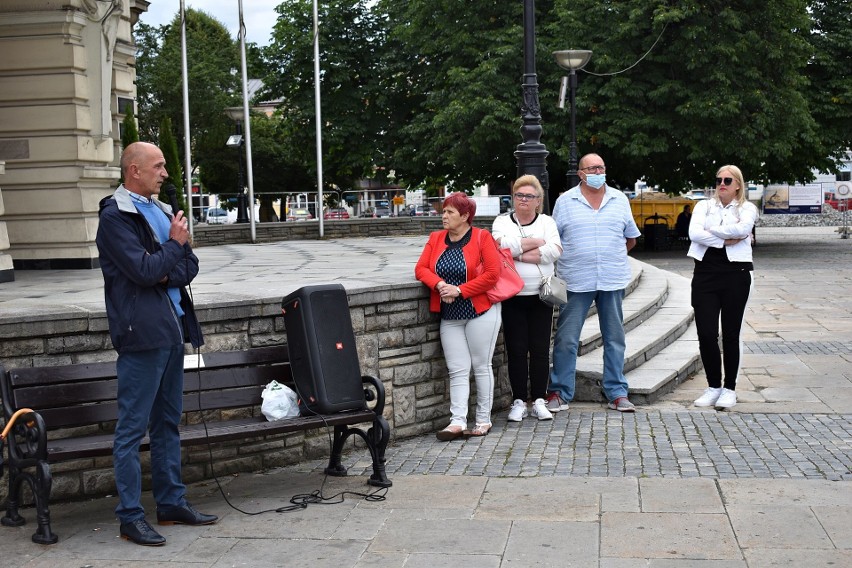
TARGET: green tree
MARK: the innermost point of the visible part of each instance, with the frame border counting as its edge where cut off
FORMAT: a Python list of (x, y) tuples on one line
[(129, 133), (830, 95), (452, 82), (168, 145), (724, 84), (276, 172), (148, 41), (214, 84), (352, 121)]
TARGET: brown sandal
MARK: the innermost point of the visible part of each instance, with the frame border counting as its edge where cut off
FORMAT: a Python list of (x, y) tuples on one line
[(450, 433), (480, 430)]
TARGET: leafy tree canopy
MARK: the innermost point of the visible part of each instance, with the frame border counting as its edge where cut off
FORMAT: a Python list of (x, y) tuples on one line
[(351, 40), (724, 84), (452, 79), (432, 89)]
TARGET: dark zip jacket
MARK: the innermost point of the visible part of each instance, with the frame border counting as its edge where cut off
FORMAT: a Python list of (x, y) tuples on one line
[(140, 313)]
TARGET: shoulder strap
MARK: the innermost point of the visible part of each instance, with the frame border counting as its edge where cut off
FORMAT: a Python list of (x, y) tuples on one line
[(523, 236)]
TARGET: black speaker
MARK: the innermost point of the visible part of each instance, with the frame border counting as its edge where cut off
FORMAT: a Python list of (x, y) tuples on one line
[(323, 358)]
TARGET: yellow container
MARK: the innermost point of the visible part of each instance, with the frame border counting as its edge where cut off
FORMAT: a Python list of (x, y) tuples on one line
[(655, 209)]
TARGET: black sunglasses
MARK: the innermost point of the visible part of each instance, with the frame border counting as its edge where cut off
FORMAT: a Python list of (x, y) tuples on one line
[(727, 181)]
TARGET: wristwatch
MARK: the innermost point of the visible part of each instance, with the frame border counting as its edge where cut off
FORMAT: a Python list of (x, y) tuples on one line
[(459, 291)]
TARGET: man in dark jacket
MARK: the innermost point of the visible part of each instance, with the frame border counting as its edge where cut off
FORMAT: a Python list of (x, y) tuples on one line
[(146, 261)]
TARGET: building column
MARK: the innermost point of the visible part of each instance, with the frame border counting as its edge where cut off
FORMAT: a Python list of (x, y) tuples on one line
[(66, 79), (7, 272)]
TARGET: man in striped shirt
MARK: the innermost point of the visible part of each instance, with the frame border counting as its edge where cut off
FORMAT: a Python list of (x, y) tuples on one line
[(597, 230)]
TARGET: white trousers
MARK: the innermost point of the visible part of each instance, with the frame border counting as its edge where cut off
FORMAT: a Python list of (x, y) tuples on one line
[(470, 344)]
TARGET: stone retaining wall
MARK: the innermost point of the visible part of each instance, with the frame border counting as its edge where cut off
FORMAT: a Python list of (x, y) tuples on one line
[(830, 217), (397, 341), (210, 235)]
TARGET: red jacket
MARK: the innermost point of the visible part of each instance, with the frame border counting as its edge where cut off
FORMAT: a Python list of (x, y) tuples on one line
[(480, 250)]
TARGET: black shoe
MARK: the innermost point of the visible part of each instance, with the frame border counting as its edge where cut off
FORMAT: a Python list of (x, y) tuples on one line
[(185, 515), (141, 532)]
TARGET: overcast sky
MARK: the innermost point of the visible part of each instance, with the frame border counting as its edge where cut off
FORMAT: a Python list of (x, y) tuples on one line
[(259, 15)]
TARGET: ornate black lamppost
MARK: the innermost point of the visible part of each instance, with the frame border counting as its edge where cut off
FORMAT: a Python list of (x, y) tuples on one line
[(572, 60), (531, 155), (236, 141)]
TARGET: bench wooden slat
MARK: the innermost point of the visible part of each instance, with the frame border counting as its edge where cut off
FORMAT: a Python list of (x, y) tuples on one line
[(231, 398), (251, 357), (213, 379), (60, 374), (42, 397), (80, 415), (195, 434)]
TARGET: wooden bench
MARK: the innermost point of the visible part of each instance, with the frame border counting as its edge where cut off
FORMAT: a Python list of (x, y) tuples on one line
[(78, 403)]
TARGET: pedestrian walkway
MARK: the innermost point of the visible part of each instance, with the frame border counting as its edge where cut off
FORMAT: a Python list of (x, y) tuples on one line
[(765, 484)]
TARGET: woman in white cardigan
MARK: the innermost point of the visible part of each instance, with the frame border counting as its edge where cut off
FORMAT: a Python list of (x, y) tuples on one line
[(720, 231), (527, 321)]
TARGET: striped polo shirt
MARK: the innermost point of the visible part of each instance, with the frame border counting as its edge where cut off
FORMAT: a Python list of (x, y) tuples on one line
[(594, 254)]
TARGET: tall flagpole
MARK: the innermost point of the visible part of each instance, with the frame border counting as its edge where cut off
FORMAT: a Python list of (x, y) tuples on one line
[(319, 120), (186, 137), (247, 122)]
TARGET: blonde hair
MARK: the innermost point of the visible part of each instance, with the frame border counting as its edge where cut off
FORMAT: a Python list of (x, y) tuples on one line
[(742, 195), (532, 181)]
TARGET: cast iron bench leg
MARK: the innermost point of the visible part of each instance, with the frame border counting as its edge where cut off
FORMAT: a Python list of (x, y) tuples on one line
[(377, 440), (335, 467), (40, 484)]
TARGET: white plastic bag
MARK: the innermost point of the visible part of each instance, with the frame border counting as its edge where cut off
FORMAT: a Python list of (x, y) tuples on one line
[(279, 401)]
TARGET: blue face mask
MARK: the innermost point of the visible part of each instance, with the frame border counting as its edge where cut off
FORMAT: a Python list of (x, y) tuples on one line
[(596, 180)]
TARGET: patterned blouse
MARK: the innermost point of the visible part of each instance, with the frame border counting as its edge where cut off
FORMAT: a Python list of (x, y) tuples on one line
[(451, 267)]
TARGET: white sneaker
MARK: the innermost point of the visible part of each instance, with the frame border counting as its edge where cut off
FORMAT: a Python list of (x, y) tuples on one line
[(709, 397), (540, 411), (727, 399), (519, 411)]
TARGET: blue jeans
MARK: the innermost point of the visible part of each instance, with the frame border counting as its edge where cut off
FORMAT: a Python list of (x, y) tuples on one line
[(567, 341), (150, 397)]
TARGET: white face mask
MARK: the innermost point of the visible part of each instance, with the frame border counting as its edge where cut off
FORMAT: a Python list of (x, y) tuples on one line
[(595, 180)]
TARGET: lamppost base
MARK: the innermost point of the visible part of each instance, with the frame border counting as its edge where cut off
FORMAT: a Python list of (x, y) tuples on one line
[(242, 213)]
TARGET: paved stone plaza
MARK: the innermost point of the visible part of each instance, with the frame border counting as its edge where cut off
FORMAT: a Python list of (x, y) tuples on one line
[(768, 483)]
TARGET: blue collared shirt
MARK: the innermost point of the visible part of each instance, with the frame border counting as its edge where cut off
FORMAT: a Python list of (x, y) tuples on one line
[(159, 223), (594, 250)]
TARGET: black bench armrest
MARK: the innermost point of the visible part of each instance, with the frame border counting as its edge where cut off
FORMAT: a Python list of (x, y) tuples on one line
[(26, 438), (374, 390)]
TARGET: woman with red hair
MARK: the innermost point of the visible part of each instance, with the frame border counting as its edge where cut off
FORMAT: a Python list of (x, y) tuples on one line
[(459, 265)]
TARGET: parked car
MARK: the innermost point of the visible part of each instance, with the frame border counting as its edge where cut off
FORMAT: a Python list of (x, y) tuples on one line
[(422, 211), (336, 213), (216, 216), (299, 215), (375, 212), (696, 194)]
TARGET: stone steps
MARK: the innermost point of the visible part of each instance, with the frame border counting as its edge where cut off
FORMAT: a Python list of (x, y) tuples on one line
[(647, 291), (661, 344)]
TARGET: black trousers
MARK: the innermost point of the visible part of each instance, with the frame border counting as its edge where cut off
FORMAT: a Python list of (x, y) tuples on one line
[(715, 296), (527, 326)]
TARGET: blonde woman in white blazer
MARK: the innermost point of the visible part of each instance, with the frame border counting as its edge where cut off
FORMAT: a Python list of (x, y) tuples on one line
[(722, 281)]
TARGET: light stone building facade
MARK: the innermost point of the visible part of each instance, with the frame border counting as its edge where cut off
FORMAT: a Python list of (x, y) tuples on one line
[(66, 79)]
